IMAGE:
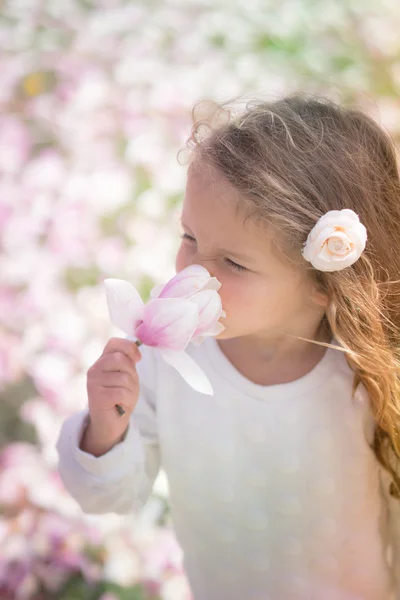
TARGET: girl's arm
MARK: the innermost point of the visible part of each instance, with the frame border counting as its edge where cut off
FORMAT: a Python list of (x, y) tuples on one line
[(121, 479)]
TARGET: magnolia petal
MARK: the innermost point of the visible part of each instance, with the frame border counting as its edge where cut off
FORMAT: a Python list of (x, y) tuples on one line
[(156, 291), (168, 323), (124, 303), (216, 330), (198, 340), (187, 282), (189, 370), (213, 284), (210, 308)]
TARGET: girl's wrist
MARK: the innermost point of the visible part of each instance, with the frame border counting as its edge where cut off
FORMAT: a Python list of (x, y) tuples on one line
[(95, 442)]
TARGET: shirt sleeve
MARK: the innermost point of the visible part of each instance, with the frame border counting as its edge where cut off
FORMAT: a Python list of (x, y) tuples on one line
[(121, 480)]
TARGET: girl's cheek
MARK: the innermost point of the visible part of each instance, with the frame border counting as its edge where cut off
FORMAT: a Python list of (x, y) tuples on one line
[(228, 290), (235, 293), (181, 260)]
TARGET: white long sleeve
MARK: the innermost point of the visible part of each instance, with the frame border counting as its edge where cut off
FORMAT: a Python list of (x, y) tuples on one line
[(121, 480)]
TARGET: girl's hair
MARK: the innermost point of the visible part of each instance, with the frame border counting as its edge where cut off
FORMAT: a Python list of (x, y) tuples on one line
[(293, 160)]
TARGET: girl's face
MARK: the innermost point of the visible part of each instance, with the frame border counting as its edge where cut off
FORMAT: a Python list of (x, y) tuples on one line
[(261, 293)]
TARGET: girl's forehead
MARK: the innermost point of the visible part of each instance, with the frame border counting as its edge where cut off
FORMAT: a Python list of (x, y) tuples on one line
[(212, 203), (216, 214), (204, 179), (211, 198)]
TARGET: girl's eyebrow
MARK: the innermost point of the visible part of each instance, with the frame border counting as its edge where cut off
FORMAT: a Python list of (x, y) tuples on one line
[(232, 253)]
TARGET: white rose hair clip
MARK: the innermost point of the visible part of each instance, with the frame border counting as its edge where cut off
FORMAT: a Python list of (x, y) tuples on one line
[(336, 241)]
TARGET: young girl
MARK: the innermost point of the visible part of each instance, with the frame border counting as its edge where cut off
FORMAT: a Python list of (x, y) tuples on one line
[(283, 484)]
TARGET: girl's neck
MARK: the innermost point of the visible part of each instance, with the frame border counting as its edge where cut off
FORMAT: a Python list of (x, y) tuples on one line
[(272, 362)]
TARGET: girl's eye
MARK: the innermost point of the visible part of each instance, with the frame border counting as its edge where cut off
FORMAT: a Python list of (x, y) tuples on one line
[(186, 236), (234, 265), (231, 263)]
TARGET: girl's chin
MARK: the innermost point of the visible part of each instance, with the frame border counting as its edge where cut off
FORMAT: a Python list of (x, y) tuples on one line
[(227, 334)]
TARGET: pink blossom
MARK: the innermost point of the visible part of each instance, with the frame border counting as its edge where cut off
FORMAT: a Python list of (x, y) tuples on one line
[(186, 309), (188, 282), (168, 323)]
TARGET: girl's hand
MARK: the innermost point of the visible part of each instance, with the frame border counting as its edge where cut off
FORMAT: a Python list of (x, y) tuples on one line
[(112, 380)]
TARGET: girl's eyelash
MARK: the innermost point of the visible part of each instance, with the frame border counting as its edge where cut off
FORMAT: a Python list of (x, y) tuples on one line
[(235, 265), (186, 236), (231, 263)]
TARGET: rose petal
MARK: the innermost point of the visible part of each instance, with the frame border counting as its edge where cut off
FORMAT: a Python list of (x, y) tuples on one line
[(344, 225), (359, 236), (168, 323), (335, 263), (339, 245), (189, 370), (347, 212), (124, 303)]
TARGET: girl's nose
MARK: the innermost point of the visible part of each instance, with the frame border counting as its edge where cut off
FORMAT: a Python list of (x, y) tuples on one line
[(207, 264)]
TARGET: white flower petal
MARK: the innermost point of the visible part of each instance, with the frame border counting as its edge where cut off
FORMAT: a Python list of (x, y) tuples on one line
[(187, 282), (350, 214), (189, 370), (214, 331), (213, 284), (359, 236), (210, 308), (124, 303), (336, 241), (339, 244), (168, 323), (156, 291)]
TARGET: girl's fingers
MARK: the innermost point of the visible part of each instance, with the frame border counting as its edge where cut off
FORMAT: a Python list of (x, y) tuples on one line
[(116, 361), (126, 347), (114, 379)]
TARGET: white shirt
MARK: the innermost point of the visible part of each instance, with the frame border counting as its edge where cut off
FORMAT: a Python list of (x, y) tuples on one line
[(275, 492)]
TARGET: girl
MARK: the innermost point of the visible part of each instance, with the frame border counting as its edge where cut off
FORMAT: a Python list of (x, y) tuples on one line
[(283, 484)]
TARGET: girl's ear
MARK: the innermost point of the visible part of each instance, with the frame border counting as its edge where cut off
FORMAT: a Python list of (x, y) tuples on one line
[(319, 297)]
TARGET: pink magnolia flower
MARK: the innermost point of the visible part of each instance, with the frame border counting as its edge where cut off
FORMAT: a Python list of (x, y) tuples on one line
[(186, 283), (195, 283), (187, 308)]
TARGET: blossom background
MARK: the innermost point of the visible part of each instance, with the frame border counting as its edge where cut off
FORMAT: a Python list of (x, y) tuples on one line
[(95, 103)]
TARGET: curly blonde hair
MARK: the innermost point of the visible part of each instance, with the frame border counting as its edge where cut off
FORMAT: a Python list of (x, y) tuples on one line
[(293, 160)]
